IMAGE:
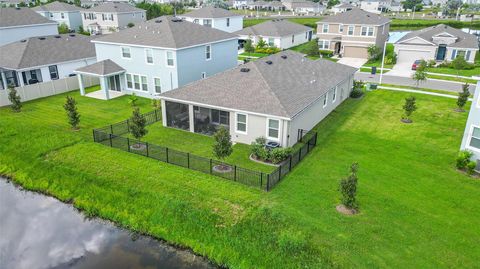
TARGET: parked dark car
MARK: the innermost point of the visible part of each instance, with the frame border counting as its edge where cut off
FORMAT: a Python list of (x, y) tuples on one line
[(416, 64)]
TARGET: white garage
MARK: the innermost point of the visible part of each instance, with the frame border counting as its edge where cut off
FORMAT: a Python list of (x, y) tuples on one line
[(409, 56)]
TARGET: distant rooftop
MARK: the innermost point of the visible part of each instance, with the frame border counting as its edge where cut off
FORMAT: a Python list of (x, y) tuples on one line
[(167, 32), (274, 28), (464, 40), (11, 17), (357, 16), (114, 7), (57, 6), (210, 12)]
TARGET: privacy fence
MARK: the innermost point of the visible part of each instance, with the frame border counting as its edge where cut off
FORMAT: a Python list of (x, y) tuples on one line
[(112, 136)]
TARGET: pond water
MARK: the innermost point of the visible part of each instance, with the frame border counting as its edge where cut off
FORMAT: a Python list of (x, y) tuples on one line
[(37, 231)]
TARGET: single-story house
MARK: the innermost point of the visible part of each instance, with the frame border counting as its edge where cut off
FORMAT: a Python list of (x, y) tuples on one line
[(340, 8), (439, 42), (280, 33), (215, 17), (307, 7), (471, 137), (61, 12), (41, 59), (273, 97)]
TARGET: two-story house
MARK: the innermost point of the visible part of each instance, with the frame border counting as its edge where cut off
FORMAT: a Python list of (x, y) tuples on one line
[(278, 33), (350, 33), (439, 43), (20, 23), (111, 16), (42, 59), (160, 55), (217, 18), (62, 13), (471, 137)]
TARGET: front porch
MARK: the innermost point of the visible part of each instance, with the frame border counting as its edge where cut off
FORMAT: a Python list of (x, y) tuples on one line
[(111, 76)]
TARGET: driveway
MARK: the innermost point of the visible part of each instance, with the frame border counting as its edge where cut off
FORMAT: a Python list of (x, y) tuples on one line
[(402, 69), (354, 62)]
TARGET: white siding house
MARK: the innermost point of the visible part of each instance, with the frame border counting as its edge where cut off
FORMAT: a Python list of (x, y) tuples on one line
[(217, 18), (20, 23), (110, 17), (62, 13), (471, 137), (272, 97)]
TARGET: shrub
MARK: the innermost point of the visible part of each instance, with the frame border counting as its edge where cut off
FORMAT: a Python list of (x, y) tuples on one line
[(137, 124), (311, 48), (463, 96), (279, 154), (63, 28), (463, 159), (356, 93), (248, 47), (130, 24), (409, 107), (348, 188), (459, 63), (222, 147), (326, 53), (14, 98), (132, 99), (391, 58), (471, 165), (261, 44), (374, 52), (156, 103), (70, 107)]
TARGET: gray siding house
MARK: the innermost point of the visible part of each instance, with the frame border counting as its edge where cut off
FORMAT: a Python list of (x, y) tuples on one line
[(272, 97), (20, 23), (110, 17), (164, 54), (217, 18), (62, 13), (471, 137)]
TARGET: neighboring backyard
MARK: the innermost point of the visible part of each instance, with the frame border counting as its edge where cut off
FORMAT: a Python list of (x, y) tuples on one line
[(416, 210)]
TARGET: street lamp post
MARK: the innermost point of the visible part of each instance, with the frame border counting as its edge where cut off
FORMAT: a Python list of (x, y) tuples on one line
[(383, 61)]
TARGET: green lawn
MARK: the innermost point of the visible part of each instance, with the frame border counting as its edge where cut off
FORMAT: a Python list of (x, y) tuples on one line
[(464, 80), (451, 71), (421, 89), (417, 211), (253, 54)]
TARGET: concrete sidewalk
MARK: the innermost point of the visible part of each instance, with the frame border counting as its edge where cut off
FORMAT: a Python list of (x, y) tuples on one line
[(403, 81)]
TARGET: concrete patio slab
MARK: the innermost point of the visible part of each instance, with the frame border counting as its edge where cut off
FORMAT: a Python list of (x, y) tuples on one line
[(354, 62), (101, 94)]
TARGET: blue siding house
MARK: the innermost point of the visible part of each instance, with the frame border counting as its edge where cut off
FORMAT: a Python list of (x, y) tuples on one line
[(471, 137), (163, 54)]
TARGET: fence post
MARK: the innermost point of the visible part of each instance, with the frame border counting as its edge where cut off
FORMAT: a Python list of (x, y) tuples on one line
[(234, 173), (308, 146), (316, 137), (261, 180), (146, 144), (156, 117), (94, 139), (128, 125), (166, 153), (268, 182), (210, 166), (111, 129), (290, 165), (128, 144), (111, 144), (188, 156), (279, 172), (300, 154)]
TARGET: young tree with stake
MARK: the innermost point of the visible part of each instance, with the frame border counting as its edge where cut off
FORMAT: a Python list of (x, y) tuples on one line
[(420, 75), (463, 97), (409, 107), (14, 98), (137, 125), (222, 147), (70, 107), (348, 189)]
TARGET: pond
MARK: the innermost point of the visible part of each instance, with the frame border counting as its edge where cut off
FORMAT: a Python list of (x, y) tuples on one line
[(37, 231)]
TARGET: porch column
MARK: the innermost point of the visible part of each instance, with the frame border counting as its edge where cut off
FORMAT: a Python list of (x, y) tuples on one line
[(164, 113), (4, 80), (80, 84), (191, 118), (20, 78), (104, 87)]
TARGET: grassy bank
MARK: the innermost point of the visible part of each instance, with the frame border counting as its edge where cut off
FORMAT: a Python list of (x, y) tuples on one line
[(417, 211)]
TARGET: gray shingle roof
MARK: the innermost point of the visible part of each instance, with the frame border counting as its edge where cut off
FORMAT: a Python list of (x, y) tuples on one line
[(276, 28), (114, 7), (102, 68), (39, 51), (357, 16), (167, 32), (21, 16), (210, 12), (283, 89), (464, 40), (57, 6)]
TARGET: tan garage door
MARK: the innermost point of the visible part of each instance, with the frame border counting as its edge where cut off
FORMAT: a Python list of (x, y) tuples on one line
[(355, 52)]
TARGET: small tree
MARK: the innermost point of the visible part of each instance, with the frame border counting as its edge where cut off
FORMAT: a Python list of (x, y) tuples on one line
[(409, 107), (261, 44), (222, 147), (311, 49), (70, 107), (14, 98), (132, 100), (419, 76), (137, 123), (249, 46), (63, 28), (373, 52), (463, 97), (348, 188), (156, 104)]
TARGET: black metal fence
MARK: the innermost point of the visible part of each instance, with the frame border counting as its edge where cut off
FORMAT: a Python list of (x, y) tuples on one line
[(111, 136)]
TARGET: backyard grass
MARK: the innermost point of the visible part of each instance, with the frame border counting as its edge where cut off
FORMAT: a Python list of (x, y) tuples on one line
[(416, 210)]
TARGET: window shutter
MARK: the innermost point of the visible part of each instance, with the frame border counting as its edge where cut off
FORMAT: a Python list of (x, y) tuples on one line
[(467, 56), (454, 53)]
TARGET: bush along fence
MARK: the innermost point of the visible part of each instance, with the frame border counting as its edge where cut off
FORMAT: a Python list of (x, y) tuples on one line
[(111, 136)]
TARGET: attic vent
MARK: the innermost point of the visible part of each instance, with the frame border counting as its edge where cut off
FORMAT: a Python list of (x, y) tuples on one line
[(175, 19), (284, 56), (41, 38), (269, 62), (72, 35), (158, 21), (244, 70), (23, 40), (57, 36), (114, 6)]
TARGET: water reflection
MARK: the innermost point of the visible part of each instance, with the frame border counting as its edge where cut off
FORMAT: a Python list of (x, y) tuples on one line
[(40, 232)]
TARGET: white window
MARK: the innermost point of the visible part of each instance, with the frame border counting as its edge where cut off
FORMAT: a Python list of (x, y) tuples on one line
[(196, 21), (271, 41), (136, 82), (367, 31), (351, 30), (475, 138), (53, 72), (241, 123), (158, 85), (340, 28), (325, 98), (204, 75), (208, 52), (293, 38), (325, 28), (170, 61), (129, 81), (207, 23), (149, 56), (219, 117), (334, 95), (144, 84), (62, 15), (228, 22), (370, 31), (324, 44), (273, 128), (126, 53)]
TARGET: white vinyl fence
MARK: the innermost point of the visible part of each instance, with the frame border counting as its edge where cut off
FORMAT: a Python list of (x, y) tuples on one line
[(49, 88)]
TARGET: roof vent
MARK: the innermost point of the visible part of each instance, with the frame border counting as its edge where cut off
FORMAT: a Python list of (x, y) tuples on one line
[(17, 8), (269, 62), (176, 19), (41, 38), (284, 56), (57, 36), (244, 70), (72, 35), (23, 40), (158, 21)]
